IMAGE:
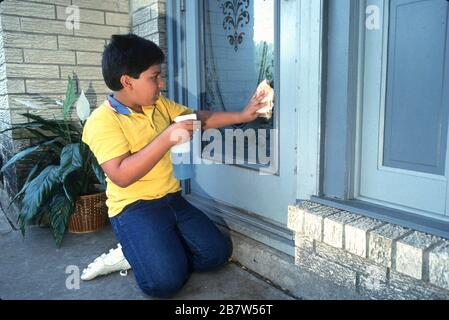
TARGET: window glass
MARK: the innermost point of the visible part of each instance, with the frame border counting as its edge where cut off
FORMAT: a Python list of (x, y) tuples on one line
[(239, 52)]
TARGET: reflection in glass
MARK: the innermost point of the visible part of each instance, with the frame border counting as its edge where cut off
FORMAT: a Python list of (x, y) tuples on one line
[(239, 53)]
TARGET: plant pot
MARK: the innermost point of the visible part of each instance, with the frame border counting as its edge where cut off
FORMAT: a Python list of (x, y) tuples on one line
[(91, 214)]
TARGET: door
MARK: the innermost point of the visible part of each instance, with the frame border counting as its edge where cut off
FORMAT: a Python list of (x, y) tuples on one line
[(231, 46), (405, 103)]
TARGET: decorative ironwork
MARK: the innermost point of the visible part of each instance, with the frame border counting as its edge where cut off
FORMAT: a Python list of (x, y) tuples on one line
[(236, 16)]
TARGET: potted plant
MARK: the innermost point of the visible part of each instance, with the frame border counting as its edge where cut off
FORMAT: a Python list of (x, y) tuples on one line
[(57, 186)]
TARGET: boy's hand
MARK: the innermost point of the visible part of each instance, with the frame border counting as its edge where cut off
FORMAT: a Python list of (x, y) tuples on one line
[(180, 132), (250, 112)]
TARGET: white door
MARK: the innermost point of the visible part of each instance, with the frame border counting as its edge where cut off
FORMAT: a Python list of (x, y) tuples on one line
[(404, 106), (231, 47)]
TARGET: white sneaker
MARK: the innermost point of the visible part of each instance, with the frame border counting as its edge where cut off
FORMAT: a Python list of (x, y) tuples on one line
[(107, 263)]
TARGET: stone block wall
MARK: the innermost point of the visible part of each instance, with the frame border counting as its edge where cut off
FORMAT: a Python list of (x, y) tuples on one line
[(42, 42), (374, 259), (148, 20)]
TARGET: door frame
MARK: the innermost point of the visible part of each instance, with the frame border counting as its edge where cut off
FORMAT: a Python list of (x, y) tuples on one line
[(311, 98)]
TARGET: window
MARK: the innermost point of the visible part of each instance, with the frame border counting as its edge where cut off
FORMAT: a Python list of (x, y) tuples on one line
[(240, 50)]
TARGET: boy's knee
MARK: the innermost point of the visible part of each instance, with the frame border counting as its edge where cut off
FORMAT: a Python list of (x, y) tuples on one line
[(162, 288), (215, 258)]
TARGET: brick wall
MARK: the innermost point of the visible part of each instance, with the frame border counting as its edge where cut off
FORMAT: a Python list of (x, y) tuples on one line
[(39, 48), (148, 21), (374, 259), (3, 102)]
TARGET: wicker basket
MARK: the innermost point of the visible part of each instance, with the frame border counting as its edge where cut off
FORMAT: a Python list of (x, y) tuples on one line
[(91, 214)]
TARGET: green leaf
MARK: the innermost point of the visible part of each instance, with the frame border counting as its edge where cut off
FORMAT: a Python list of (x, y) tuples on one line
[(50, 125), (39, 134), (72, 187), (58, 145), (59, 211), (30, 125), (70, 97), (71, 160), (25, 152), (22, 225), (58, 127), (39, 192), (30, 176), (99, 173)]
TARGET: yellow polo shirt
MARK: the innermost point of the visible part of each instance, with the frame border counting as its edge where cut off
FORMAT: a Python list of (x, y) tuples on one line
[(111, 133)]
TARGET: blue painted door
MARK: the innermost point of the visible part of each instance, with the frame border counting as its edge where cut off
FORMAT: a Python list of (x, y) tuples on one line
[(231, 46), (405, 104)]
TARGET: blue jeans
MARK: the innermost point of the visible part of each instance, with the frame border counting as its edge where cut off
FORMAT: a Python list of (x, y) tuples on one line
[(167, 239)]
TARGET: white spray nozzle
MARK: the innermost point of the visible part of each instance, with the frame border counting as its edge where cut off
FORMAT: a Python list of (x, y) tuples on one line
[(186, 117)]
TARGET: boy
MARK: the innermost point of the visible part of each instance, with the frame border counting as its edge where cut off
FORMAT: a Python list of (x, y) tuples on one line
[(163, 237)]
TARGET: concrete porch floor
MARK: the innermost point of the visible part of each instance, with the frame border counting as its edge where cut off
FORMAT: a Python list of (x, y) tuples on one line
[(33, 268)]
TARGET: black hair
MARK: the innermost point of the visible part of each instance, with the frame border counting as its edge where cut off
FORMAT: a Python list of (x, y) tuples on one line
[(128, 54)]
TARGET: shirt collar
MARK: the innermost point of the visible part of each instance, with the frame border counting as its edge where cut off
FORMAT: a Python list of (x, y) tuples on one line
[(118, 107)]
